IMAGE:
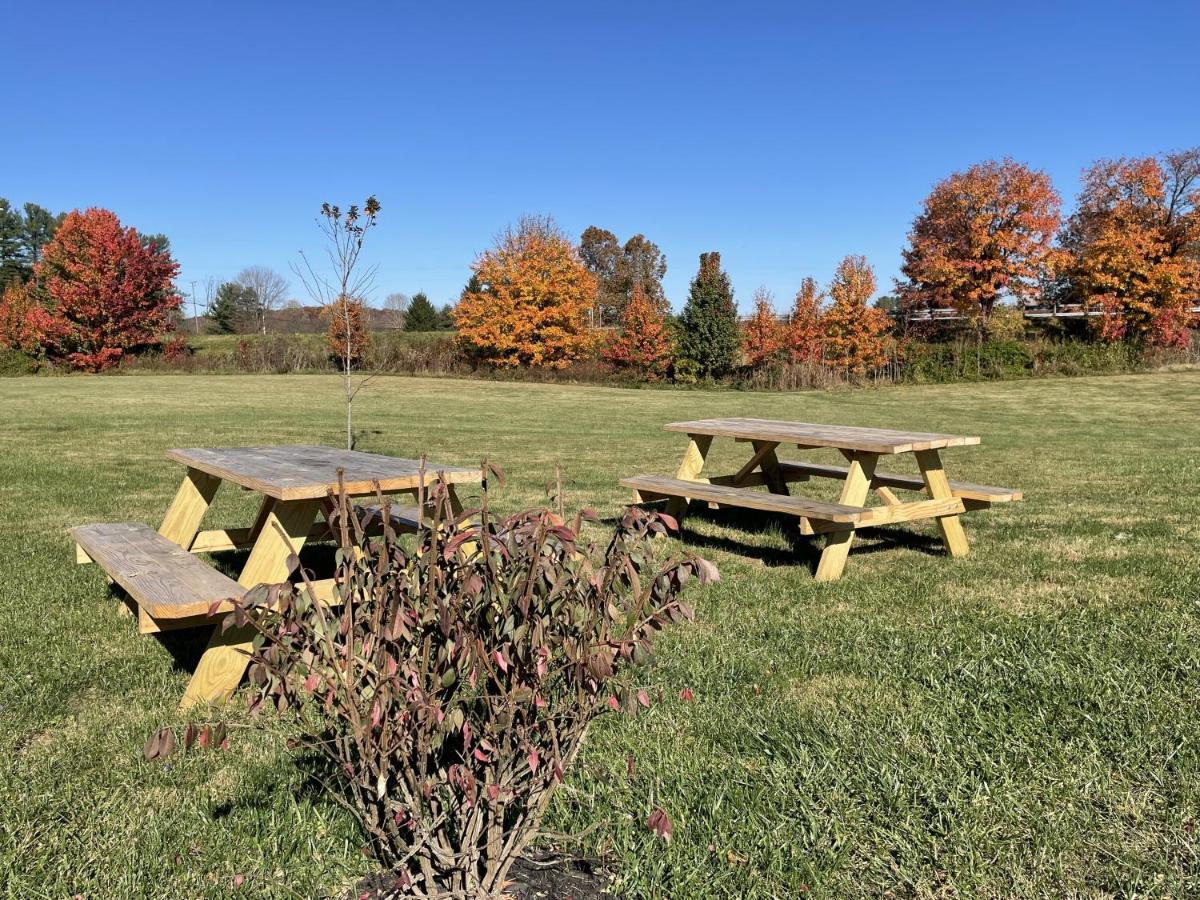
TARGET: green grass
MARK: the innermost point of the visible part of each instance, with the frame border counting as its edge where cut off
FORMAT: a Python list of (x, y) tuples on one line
[(1023, 722)]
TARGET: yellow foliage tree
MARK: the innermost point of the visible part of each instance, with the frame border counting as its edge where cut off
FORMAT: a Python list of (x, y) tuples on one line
[(531, 302), (855, 332)]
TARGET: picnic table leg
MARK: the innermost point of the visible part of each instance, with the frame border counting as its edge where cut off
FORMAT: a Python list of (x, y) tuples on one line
[(854, 493), (226, 657), (689, 470), (769, 463), (938, 485), (181, 524)]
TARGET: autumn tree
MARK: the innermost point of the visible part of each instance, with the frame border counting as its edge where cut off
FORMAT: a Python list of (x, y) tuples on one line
[(346, 333), (531, 300), (708, 324), (1134, 245), (854, 332), (340, 292), (644, 345), (763, 336), (619, 268), (422, 316), (982, 235), (16, 303), (101, 293), (805, 337)]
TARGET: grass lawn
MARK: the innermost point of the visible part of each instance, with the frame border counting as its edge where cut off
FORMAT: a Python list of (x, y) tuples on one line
[(1023, 722)]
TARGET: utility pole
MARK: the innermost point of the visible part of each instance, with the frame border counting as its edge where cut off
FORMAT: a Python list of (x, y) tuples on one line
[(195, 316)]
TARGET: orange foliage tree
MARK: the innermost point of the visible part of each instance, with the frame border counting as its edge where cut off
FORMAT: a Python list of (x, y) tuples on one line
[(532, 300), (763, 337), (16, 303), (346, 333), (1134, 242), (805, 332), (982, 234), (644, 345), (855, 333)]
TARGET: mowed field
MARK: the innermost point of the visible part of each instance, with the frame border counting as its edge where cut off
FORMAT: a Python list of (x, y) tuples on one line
[(1021, 723)]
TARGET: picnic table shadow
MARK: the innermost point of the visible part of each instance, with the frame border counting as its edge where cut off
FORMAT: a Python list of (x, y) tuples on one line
[(801, 550), (186, 645)]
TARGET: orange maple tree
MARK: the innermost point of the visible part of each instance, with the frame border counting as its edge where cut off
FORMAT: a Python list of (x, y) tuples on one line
[(644, 345), (763, 336), (346, 333), (805, 333), (1134, 241), (531, 302), (16, 303), (982, 234), (855, 333)]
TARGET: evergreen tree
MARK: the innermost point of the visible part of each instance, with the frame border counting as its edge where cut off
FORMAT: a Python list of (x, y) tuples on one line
[(14, 262), (421, 314), (40, 226), (709, 327), (233, 309), (446, 317), (22, 239)]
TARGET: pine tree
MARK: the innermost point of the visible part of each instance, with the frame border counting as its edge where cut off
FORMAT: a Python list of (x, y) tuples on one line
[(14, 263), (233, 309), (40, 226), (421, 315), (709, 321)]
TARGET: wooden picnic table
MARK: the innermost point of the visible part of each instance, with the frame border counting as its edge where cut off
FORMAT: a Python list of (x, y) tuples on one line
[(862, 447), (174, 589)]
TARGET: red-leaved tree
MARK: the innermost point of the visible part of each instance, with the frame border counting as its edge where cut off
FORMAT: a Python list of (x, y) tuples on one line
[(763, 335), (644, 345), (805, 333), (102, 293)]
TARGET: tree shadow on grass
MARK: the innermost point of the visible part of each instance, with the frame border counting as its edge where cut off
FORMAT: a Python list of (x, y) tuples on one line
[(801, 550)]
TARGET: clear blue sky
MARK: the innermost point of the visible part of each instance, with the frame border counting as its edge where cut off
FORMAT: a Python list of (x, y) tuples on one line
[(785, 136)]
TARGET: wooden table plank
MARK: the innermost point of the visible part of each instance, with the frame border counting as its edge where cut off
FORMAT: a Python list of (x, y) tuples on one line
[(307, 471), (844, 437)]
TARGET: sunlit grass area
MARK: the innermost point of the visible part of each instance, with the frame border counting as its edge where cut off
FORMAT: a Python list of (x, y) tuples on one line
[(1022, 722)]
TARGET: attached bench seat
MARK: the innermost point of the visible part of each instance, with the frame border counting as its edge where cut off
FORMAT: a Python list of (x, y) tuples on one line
[(403, 519), (166, 581), (650, 487), (977, 493)]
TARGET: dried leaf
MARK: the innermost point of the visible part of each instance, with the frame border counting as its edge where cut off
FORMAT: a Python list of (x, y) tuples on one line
[(660, 824)]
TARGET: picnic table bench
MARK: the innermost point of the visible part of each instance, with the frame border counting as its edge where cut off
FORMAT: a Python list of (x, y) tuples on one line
[(862, 447), (172, 588)]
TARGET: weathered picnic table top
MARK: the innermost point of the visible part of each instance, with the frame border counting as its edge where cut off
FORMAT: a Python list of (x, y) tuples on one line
[(308, 471), (843, 437)]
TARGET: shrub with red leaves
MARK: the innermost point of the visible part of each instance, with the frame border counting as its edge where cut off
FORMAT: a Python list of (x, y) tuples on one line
[(456, 682)]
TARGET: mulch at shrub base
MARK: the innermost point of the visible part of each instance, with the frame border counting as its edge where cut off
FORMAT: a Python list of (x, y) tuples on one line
[(540, 876)]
